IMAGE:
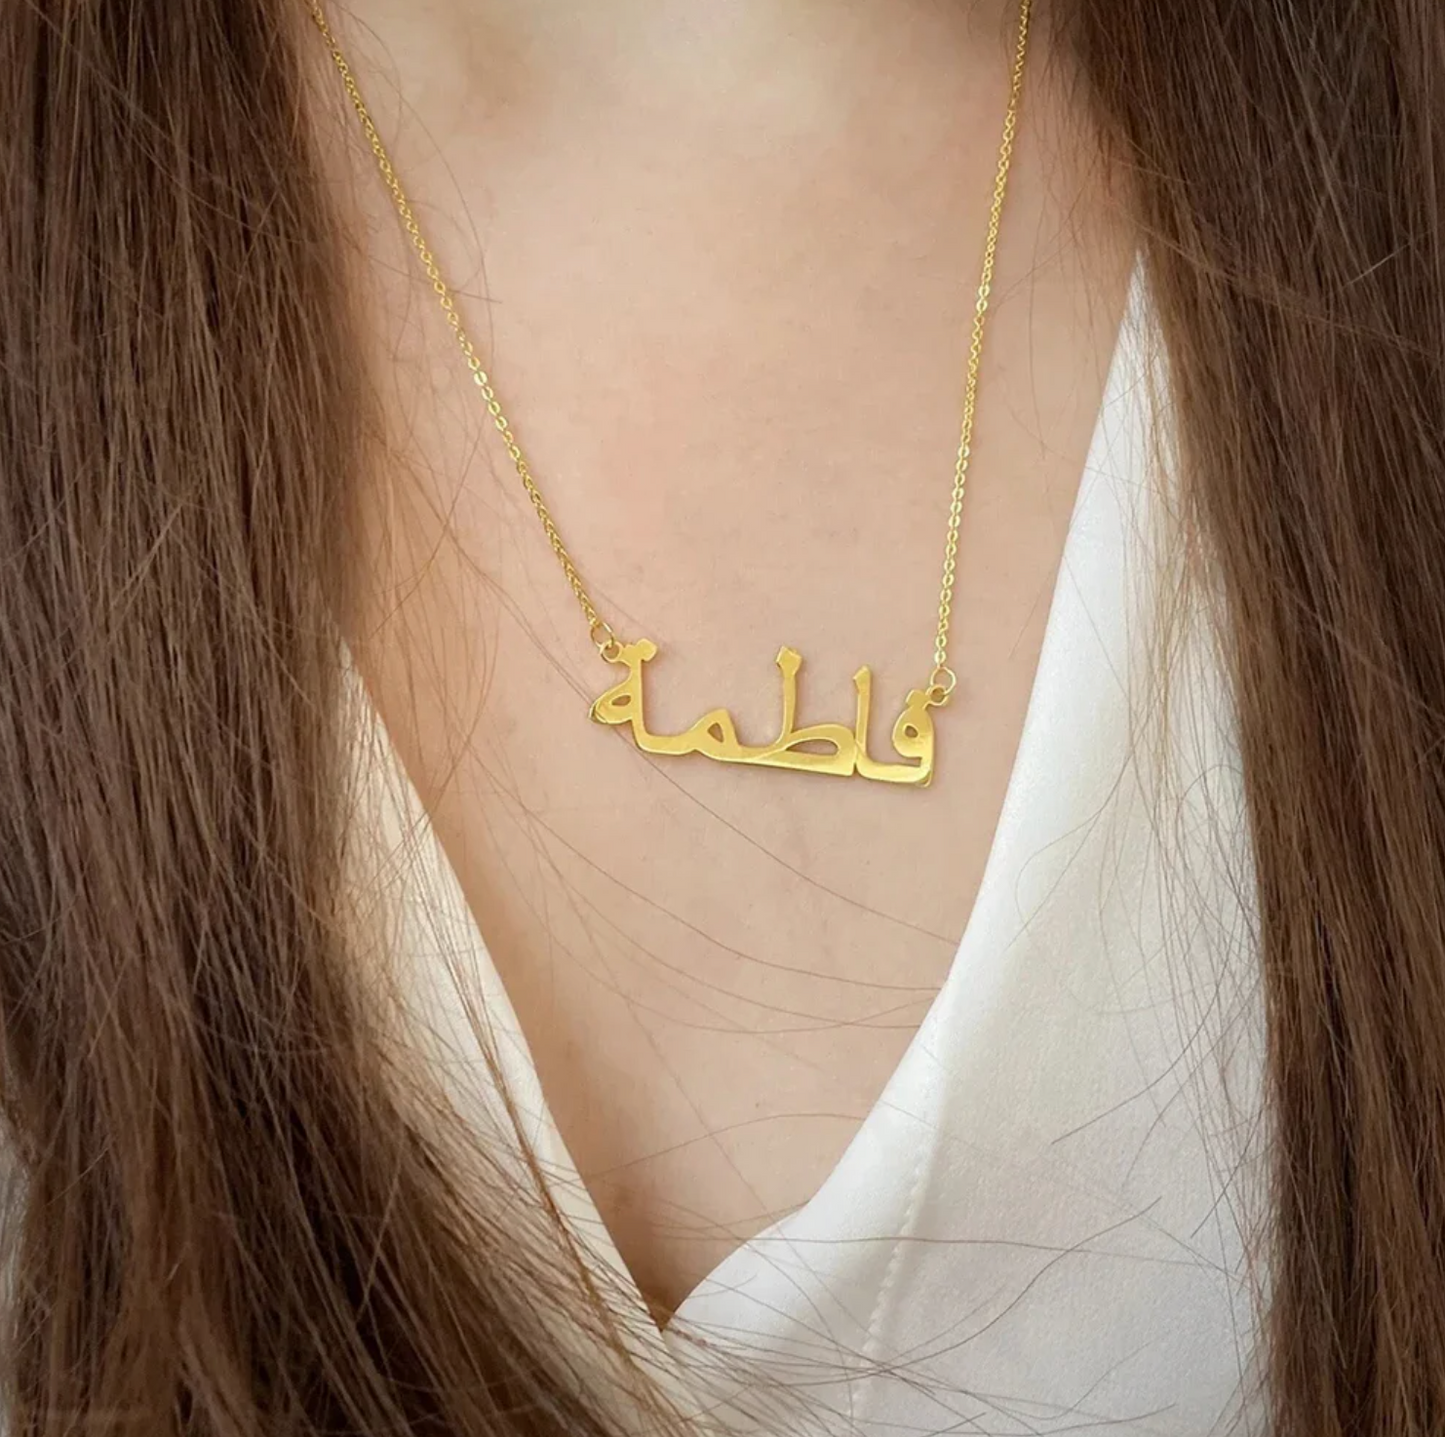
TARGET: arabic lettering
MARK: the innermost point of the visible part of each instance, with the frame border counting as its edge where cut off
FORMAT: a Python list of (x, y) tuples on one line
[(830, 748)]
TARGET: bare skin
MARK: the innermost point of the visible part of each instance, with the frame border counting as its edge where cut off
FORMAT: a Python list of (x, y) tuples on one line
[(721, 260)]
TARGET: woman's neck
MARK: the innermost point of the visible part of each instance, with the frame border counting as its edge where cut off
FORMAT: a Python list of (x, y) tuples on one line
[(764, 72), (693, 41)]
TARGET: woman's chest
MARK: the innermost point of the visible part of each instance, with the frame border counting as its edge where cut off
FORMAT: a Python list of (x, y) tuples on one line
[(1064, 1157), (716, 966)]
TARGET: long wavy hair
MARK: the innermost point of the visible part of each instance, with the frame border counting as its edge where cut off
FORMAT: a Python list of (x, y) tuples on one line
[(230, 1210)]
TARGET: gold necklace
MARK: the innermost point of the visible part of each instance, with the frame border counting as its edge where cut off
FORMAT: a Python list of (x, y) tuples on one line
[(830, 748)]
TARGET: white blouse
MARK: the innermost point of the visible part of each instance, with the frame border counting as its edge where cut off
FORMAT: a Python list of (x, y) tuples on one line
[(1040, 1226)]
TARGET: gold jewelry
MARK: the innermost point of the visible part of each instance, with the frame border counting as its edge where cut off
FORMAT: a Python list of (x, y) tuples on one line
[(845, 750)]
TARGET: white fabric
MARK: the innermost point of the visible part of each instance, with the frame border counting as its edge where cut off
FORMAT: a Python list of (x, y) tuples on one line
[(1038, 1227)]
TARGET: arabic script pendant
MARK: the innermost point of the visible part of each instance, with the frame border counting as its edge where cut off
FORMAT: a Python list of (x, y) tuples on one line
[(831, 748)]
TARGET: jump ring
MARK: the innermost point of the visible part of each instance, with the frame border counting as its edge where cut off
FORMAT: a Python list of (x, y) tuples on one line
[(941, 684), (600, 635)]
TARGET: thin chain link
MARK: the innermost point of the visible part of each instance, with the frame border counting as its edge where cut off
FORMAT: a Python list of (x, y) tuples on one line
[(943, 680), (598, 629)]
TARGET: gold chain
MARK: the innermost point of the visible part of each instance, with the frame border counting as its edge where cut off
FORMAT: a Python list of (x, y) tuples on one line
[(599, 631), (943, 680)]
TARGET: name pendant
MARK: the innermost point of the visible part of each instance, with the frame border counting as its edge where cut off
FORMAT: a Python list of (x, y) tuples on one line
[(828, 748)]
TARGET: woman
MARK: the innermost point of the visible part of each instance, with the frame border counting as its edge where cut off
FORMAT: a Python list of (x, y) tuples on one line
[(1096, 1084)]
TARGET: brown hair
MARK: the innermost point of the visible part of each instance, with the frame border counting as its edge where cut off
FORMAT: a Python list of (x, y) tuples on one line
[(228, 1215), (1288, 161)]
